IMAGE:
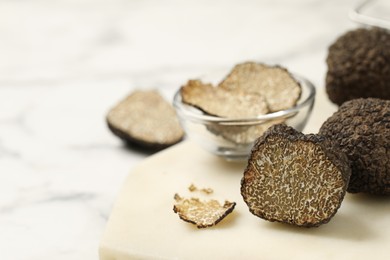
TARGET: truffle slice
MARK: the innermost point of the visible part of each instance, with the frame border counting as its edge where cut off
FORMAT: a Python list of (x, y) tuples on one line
[(359, 65), (361, 127), (294, 178), (145, 118), (222, 102), (242, 134), (202, 213), (193, 188), (276, 84)]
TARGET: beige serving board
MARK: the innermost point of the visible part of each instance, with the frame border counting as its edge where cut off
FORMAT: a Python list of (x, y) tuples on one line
[(142, 224)]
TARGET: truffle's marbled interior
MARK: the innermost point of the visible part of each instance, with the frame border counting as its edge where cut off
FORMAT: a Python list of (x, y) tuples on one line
[(292, 182)]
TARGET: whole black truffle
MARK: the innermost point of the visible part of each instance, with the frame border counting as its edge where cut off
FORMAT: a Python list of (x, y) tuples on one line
[(361, 127), (359, 66), (295, 178)]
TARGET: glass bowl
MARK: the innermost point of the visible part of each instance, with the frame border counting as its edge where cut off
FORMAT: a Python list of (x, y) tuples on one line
[(372, 13), (233, 139)]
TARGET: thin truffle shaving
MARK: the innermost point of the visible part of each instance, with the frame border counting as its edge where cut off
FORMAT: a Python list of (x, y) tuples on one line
[(193, 188), (221, 102), (242, 134), (280, 89), (202, 213)]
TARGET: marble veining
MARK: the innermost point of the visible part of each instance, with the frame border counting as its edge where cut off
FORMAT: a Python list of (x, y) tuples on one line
[(64, 64)]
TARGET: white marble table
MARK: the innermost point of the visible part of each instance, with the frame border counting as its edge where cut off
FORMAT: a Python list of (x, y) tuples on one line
[(63, 64)]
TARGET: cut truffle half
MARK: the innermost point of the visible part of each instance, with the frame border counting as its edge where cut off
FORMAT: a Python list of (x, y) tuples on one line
[(276, 84), (361, 127), (295, 178), (359, 65), (145, 118), (222, 102), (202, 213)]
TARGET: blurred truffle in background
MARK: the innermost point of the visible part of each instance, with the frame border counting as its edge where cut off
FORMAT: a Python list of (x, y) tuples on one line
[(359, 65), (145, 119)]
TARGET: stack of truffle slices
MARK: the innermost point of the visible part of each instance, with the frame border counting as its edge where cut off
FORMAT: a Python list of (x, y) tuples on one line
[(302, 179), (250, 90)]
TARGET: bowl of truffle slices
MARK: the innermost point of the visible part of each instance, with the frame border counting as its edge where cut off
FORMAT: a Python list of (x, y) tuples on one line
[(226, 118)]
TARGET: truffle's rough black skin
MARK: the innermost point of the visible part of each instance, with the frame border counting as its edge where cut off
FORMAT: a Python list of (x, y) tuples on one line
[(146, 119), (295, 178), (361, 127), (359, 66)]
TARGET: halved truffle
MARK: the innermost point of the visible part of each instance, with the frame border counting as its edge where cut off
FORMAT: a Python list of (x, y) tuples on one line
[(295, 178), (202, 213), (222, 102), (276, 84), (361, 127), (145, 118), (359, 65)]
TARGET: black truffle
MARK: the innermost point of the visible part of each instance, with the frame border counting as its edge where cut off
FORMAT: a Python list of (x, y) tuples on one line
[(295, 178), (359, 66), (361, 127), (146, 119)]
